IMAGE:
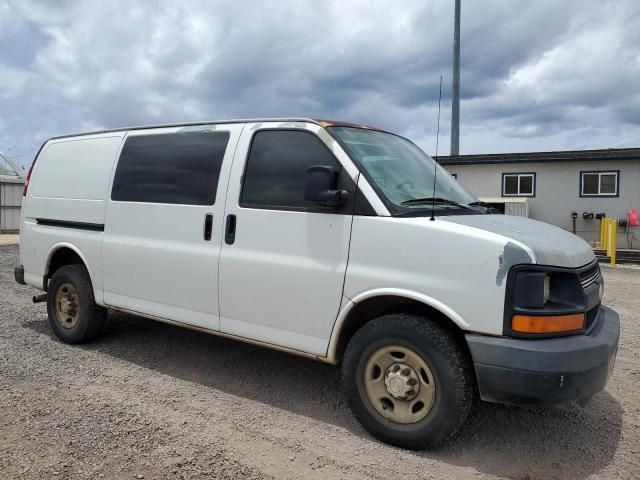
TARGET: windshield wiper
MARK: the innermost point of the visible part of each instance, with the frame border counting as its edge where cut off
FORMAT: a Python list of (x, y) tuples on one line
[(490, 208), (481, 204), (429, 200)]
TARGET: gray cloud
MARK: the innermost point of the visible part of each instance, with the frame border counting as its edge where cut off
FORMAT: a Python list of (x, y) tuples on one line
[(535, 75)]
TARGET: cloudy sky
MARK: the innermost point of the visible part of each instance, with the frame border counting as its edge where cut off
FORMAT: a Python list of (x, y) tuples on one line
[(536, 75)]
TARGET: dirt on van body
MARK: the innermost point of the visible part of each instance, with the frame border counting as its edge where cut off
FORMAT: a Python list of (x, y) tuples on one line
[(149, 400)]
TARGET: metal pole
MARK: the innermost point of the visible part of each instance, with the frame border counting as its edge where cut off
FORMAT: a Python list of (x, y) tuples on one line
[(455, 98)]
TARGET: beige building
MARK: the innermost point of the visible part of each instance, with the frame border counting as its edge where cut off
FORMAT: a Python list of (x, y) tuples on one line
[(554, 187)]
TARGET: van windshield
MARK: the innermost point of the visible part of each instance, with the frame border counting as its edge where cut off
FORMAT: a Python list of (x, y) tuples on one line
[(403, 172)]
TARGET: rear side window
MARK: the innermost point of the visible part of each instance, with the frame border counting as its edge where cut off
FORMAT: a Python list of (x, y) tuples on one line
[(277, 167), (180, 168)]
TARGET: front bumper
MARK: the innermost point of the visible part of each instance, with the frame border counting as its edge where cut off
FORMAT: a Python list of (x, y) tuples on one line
[(546, 371)]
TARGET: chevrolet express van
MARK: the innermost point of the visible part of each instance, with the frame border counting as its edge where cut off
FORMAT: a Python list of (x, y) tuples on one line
[(322, 239)]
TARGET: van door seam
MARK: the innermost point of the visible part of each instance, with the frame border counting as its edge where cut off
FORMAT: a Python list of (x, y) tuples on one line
[(222, 223), (346, 267)]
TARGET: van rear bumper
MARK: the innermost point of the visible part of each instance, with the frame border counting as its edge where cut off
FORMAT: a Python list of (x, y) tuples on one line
[(18, 273), (546, 371)]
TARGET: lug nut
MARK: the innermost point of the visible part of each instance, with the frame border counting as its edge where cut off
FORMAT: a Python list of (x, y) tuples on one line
[(412, 381), (406, 372)]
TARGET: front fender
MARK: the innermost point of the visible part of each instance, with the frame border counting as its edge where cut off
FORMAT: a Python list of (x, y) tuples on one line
[(348, 306)]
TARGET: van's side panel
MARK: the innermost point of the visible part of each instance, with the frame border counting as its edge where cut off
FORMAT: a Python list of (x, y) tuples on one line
[(156, 260), (65, 204)]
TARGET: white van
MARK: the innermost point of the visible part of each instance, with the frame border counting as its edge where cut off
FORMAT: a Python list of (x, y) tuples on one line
[(322, 239)]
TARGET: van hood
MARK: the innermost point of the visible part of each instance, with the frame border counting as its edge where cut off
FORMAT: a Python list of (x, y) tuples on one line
[(550, 245)]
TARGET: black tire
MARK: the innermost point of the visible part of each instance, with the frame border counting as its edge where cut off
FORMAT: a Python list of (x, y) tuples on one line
[(91, 318), (450, 367)]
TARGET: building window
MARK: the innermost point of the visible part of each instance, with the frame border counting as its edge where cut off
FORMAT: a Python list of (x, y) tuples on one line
[(599, 184), (518, 184)]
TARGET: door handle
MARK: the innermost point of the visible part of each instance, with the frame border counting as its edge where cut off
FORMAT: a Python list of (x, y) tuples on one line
[(230, 230), (208, 226)]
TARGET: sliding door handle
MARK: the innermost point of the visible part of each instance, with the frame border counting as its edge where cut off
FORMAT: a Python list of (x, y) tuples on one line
[(208, 226), (230, 230)]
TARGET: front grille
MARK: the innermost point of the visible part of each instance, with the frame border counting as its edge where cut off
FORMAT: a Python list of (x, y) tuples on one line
[(589, 276)]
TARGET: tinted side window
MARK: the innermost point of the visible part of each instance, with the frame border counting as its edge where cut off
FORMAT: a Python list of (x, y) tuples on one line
[(180, 168), (277, 167)]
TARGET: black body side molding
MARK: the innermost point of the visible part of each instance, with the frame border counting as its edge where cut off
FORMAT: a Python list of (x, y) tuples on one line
[(96, 227)]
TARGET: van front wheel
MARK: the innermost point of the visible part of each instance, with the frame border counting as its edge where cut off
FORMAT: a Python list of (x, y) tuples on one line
[(407, 381), (73, 313)]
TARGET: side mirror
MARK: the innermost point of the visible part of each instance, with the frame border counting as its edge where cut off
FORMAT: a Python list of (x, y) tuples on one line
[(320, 186)]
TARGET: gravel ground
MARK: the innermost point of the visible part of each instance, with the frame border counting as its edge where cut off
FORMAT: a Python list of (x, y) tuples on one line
[(8, 239), (149, 400)]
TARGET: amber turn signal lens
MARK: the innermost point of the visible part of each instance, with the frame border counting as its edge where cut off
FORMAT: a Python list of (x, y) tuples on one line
[(547, 324)]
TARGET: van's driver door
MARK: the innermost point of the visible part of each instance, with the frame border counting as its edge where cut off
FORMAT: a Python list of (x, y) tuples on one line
[(283, 259)]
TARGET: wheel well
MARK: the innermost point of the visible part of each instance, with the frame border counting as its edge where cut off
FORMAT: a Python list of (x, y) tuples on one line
[(63, 256), (375, 307)]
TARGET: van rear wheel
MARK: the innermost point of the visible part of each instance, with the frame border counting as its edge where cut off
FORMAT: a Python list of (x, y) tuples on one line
[(407, 380), (73, 313)]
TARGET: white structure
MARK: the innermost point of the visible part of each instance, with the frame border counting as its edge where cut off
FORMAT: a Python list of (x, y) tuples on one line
[(11, 184), (9, 168), (508, 206)]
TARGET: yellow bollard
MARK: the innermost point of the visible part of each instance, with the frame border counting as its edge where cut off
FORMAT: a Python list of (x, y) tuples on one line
[(602, 222), (614, 243), (610, 239)]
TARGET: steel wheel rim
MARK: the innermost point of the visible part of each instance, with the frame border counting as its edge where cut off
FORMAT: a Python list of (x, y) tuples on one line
[(67, 305), (390, 401)]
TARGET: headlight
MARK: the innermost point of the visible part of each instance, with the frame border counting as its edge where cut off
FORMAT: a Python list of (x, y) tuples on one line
[(540, 289), (543, 300)]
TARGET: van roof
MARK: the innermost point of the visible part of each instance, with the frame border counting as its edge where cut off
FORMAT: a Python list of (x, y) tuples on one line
[(322, 123)]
